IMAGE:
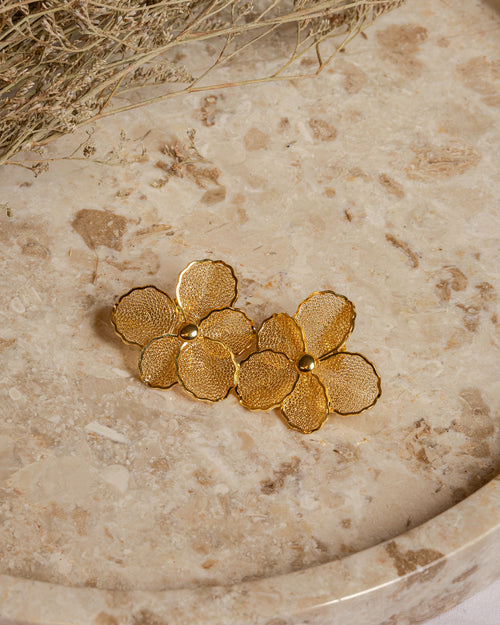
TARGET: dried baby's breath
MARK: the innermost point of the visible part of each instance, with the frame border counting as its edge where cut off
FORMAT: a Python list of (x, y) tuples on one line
[(63, 64)]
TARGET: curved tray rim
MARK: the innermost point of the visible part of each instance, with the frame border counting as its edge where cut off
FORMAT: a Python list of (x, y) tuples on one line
[(436, 565)]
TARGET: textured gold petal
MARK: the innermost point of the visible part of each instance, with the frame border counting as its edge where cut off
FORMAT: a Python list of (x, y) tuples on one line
[(157, 361), (306, 408), (231, 327), (207, 369), (281, 334), (206, 285), (326, 320), (143, 314), (265, 379), (351, 381)]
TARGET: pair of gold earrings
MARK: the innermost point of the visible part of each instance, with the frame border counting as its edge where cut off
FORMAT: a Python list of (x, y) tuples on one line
[(297, 364)]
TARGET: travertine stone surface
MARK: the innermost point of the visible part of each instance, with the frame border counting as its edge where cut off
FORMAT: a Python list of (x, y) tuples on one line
[(379, 180)]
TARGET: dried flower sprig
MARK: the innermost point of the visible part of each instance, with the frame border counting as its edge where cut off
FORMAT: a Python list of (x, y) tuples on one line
[(62, 64)]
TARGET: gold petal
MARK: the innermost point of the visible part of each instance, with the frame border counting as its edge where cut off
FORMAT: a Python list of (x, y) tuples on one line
[(265, 379), (206, 285), (231, 327), (351, 381), (207, 369), (143, 314), (326, 320), (282, 334), (306, 408), (157, 361)]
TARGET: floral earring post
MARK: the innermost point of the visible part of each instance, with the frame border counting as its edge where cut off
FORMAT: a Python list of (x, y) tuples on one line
[(301, 368), (194, 340)]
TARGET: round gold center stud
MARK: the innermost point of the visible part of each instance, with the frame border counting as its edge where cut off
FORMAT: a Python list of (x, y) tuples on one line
[(188, 332), (306, 363)]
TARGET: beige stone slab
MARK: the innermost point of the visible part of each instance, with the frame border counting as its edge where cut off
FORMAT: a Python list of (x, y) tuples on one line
[(379, 180)]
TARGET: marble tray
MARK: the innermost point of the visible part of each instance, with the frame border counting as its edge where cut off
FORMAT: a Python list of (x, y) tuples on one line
[(379, 179)]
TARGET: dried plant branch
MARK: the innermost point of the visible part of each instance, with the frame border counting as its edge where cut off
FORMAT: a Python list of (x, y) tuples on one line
[(64, 63)]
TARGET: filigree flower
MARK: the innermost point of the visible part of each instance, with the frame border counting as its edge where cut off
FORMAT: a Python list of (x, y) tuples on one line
[(301, 368), (193, 340)]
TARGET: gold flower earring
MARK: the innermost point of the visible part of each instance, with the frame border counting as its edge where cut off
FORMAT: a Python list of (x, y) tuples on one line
[(194, 340), (301, 366)]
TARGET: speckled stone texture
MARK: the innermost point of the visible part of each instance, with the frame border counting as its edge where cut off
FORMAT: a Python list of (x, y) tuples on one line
[(379, 180)]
